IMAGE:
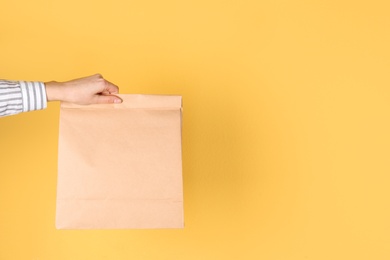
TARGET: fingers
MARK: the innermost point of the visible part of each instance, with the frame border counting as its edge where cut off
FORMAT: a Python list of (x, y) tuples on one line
[(110, 88), (107, 87), (106, 99), (105, 96)]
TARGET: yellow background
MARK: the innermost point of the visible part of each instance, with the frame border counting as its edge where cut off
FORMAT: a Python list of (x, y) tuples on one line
[(286, 138)]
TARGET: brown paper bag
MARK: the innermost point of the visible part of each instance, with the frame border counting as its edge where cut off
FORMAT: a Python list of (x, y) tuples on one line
[(119, 165)]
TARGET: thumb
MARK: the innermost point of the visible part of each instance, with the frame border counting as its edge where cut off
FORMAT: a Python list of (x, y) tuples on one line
[(106, 99)]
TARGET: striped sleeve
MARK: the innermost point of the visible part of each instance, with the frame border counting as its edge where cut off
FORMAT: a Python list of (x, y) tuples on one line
[(21, 96)]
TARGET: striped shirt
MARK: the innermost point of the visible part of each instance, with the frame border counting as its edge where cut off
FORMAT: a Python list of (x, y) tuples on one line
[(21, 96)]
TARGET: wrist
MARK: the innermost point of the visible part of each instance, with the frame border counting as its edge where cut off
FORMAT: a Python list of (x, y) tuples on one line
[(53, 91)]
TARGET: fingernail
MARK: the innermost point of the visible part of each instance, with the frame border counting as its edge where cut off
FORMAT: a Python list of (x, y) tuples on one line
[(117, 100)]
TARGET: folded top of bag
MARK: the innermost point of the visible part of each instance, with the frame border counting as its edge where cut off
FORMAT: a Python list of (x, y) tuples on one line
[(136, 101)]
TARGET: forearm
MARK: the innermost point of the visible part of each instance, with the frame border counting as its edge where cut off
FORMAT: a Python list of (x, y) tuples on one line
[(21, 96)]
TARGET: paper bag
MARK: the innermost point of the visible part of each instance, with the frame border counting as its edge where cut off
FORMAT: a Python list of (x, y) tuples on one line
[(119, 165)]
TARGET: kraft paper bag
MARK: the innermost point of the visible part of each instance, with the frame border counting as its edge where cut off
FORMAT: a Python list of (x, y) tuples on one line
[(119, 165)]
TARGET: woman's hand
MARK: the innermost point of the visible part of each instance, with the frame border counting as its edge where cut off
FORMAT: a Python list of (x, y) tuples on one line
[(84, 91)]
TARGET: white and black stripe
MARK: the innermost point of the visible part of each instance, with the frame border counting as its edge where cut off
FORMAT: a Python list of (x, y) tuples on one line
[(21, 96)]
